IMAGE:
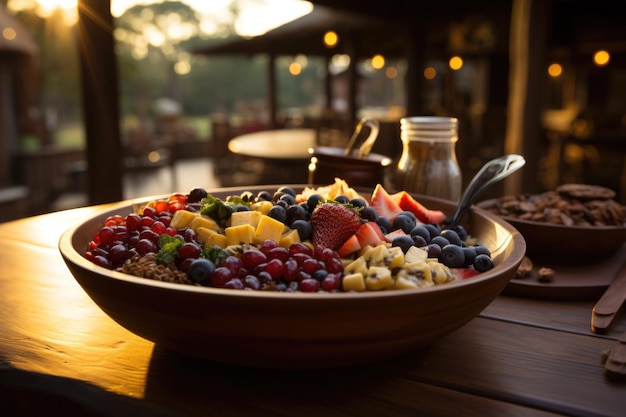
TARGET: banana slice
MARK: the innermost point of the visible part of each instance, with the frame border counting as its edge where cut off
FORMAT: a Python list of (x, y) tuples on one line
[(378, 278)]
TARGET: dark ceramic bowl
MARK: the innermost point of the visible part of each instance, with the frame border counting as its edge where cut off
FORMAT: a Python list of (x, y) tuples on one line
[(293, 330), (555, 243)]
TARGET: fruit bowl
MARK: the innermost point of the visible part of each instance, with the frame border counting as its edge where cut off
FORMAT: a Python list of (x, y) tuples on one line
[(281, 330)]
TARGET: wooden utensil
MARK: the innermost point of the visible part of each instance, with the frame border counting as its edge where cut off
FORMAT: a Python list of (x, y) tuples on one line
[(610, 305)]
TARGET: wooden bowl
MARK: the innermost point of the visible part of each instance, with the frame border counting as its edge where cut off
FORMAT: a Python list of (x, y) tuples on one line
[(292, 330), (558, 244)]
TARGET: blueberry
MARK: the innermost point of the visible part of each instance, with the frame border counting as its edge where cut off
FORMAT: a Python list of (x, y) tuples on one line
[(358, 202), (410, 214), (440, 240), (480, 249), (460, 230), (433, 228), (289, 199), (483, 263), (433, 250), (304, 229), (295, 212), (422, 231), (470, 255), (313, 201), (452, 256), (419, 241), (452, 236), (196, 195), (287, 190), (343, 199), (200, 271), (277, 195), (384, 223), (369, 213), (404, 221), (404, 242), (241, 207), (278, 212), (263, 196)]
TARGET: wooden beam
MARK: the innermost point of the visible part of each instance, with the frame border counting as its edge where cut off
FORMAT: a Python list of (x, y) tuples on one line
[(100, 101), (527, 52)]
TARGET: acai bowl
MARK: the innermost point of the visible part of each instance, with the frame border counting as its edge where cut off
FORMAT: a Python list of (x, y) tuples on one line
[(282, 329)]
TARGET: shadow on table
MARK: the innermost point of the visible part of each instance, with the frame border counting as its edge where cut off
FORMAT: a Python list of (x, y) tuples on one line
[(205, 387)]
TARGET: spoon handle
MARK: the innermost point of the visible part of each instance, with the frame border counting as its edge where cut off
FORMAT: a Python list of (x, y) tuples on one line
[(492, 172), (367, 145)]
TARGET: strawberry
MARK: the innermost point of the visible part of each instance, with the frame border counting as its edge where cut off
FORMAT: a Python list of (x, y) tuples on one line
[(464, 273), (384, 205), (407, 203), (349, 247), (333, 224), (370, 234)]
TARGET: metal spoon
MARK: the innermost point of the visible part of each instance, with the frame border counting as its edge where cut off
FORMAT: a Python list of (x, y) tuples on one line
[(367, 145), (492, 172)]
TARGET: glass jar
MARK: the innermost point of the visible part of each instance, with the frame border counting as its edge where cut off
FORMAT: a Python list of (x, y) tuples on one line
[(428, 164)]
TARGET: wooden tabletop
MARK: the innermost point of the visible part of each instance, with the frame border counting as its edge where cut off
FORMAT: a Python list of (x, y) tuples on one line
[(60, 352)]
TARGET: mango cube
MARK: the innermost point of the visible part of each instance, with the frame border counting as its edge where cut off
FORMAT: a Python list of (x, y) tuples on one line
[(289, 238), (182, 218), (268, 228), (217, 239), (204, 233), (245, 217), (203, 221), (236, 235)]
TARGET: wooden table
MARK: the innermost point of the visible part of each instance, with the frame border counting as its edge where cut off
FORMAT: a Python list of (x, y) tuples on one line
[(61, 353), (285, 153)]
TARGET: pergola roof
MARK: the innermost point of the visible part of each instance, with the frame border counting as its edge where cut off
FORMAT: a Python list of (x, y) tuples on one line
[(359, 35)]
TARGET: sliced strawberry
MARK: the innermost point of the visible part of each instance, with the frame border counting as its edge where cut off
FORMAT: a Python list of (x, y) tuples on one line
[(389, 237), (350, 246), (370, 234), (333, 224), (384, 205), (406, 202), (464, 273)]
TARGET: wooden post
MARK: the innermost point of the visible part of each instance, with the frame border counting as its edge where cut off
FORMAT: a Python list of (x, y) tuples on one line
[(100, 101), (527, 49)]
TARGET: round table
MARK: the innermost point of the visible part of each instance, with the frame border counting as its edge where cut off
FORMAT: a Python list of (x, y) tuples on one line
[(284, 152)]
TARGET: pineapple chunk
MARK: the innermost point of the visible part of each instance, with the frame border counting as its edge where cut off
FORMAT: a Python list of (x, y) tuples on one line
[(182, 218), (236, 235), (204, 234), (289, 238), (268, 229), (415, 254), (217, 239), (203, 221), (354, 282), (245, 217)]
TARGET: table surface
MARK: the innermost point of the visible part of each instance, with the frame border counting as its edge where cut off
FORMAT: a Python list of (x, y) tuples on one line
[(278, 144), (59, 351)]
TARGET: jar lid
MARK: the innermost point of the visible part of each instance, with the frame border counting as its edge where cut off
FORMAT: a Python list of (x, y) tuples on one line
[(429, 128), (429, 122)]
